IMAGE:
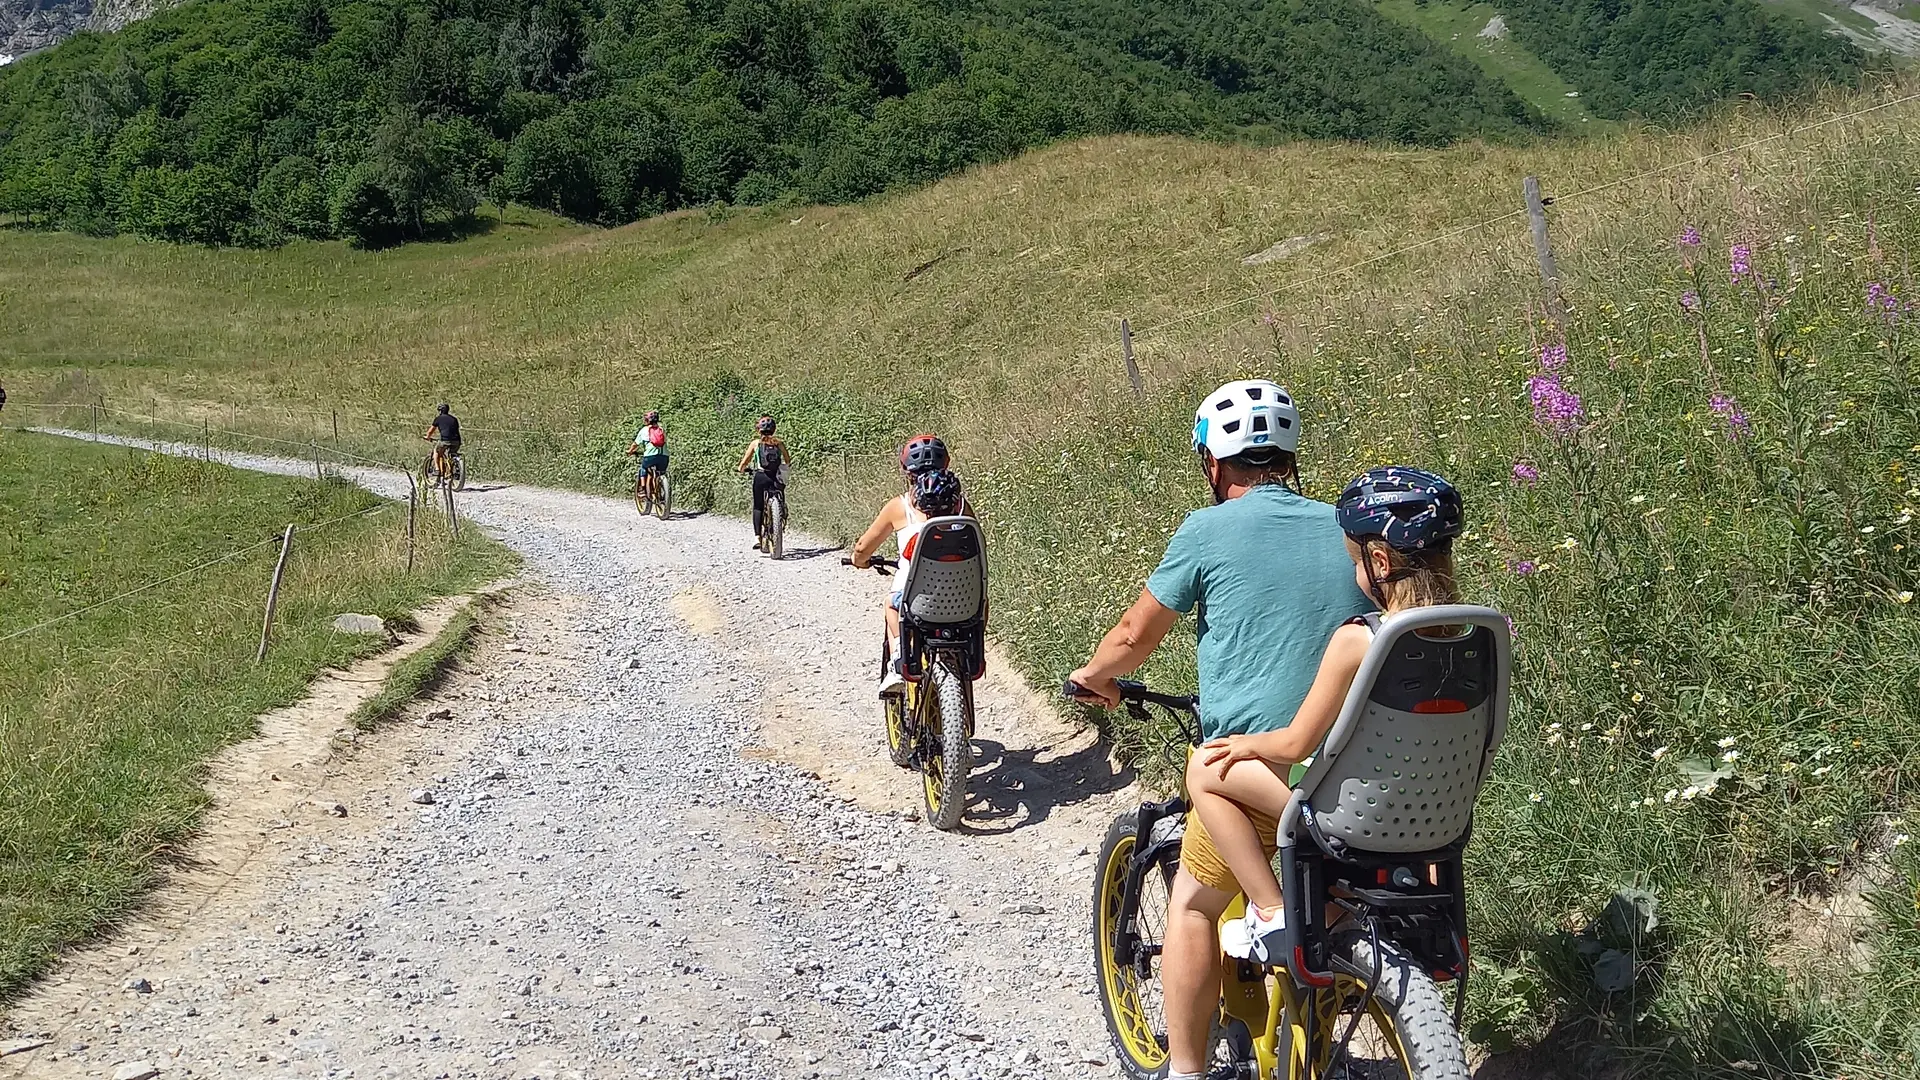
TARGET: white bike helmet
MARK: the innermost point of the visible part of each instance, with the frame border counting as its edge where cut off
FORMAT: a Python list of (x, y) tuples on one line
[(1251, 414)]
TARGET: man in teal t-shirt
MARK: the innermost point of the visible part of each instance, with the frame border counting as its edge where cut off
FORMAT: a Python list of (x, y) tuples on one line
[(1268, 571)]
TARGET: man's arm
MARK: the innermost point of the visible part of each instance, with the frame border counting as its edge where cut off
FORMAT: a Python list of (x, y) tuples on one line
[(1126, 647)]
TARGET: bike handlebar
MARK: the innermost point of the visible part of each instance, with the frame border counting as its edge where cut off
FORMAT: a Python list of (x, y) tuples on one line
[(884, 566), (1132, 692)]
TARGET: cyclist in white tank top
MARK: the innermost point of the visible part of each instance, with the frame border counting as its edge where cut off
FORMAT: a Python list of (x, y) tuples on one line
[(932, 491)]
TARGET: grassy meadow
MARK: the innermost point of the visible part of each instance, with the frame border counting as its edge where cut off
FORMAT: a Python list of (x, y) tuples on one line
[(106, 718), (1695, 496)]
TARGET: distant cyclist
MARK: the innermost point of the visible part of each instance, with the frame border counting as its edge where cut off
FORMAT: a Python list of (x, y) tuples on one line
[(650, 442), (444, 433), (932, 491), (766, 458), (1267, 570)]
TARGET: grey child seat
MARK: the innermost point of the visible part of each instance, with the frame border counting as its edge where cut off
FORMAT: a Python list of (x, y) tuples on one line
[(946, 581), (1414, 741)]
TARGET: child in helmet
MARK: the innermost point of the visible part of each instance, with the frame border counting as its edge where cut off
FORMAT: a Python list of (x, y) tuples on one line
[(932, 491), (767, 458), (1400, 524)]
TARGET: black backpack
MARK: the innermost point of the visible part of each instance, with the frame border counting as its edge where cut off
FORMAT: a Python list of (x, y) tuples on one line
[(769, 459)]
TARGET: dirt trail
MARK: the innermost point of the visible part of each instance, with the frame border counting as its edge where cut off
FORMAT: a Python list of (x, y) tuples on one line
[(663, 840)]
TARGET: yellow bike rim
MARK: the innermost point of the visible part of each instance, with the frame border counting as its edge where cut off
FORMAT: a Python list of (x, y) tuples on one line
[(933, 768), (1377, 1041), (1127, 1018)]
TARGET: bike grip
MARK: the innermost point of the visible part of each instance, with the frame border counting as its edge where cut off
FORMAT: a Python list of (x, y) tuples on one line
[(1073, 691)]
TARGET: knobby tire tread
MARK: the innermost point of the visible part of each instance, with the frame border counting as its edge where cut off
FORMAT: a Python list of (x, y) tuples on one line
[(1421, 1016)]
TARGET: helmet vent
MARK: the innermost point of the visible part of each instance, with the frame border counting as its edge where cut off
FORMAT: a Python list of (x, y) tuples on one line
[(1285, 422), (1260, 423), (1223, 405), (1230, 426), (1253, 393)]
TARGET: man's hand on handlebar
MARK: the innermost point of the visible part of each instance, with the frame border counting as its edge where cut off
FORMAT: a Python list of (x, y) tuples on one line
[(1084, 687)]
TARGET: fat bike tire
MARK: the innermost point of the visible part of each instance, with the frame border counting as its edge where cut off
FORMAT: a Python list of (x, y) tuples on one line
[(663, 498), (1412, 1019), (776, 526), (1129, 1002), (947, 750), (893, 711)]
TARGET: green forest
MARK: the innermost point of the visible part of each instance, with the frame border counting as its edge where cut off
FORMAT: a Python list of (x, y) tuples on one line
[(254, 122)]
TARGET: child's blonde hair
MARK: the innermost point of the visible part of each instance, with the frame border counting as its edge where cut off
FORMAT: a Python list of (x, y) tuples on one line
[(1413, 579)]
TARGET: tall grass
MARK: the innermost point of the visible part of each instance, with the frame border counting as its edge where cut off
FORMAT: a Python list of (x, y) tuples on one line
[(107, 718), (1715, 550)]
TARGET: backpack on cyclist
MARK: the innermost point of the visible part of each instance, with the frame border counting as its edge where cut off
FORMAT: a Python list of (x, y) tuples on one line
[(1386, 808), (944, 593), (768, 460)]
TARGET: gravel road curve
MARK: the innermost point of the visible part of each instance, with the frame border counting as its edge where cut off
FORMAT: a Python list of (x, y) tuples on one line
[(649, 830)]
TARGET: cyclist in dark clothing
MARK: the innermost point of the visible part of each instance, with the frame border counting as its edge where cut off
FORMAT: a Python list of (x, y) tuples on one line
[(766, 459), (445, 428)]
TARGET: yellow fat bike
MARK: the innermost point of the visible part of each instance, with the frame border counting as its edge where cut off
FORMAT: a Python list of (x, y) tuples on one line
[(1375, 892), (930, 719)]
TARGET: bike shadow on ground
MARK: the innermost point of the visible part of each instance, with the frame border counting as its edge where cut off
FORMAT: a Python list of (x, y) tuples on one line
[(810, 553), (473, 488), (1012, 789)]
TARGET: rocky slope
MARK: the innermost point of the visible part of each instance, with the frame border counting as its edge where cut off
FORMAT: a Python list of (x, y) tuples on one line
[(30, 25)]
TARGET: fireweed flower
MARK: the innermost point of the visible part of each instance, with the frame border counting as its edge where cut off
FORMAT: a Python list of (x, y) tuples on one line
[(1690, 302), (1553, 357), (1690, 237), (1555, 408), (1523, 568), (1882, 302), (1725, 406), (1525, 472), (1740, 262)]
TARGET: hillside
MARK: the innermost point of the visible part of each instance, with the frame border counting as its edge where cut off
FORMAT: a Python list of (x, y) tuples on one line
[(253, 122), (1710, 565)]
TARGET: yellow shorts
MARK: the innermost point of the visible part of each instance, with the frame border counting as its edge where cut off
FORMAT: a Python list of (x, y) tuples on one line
[(1199, 858)]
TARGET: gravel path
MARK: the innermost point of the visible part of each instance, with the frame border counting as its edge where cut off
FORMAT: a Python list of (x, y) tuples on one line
[(663, 841)]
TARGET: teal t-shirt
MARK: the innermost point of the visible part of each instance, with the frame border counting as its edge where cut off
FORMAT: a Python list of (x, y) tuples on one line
[(1270, 575)]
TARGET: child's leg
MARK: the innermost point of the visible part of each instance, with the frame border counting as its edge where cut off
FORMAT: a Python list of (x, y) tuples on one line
[(1222, 803), (893, 627)]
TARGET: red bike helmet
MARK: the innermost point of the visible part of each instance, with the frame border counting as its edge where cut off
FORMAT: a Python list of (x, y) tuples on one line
[(923, 454)]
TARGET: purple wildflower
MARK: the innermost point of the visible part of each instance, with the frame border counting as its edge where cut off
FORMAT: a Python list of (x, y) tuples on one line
[(1882, 302), (1523, 568), (1689, 237), (1740, 262), (1690, 302), (1525, 472), (1513, 628), (1725, 406), (1555, 408), (1553, 357)]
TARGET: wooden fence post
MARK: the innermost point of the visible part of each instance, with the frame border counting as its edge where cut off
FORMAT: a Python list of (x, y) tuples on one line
[(1543, 248), (453, 516), (273, 593), (314, 444), (336, 429), (1126, 354), (413, 502), (206, 440)]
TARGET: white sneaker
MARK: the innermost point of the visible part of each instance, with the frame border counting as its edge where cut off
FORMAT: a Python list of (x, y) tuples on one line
[(1254, 938), (892, 683)]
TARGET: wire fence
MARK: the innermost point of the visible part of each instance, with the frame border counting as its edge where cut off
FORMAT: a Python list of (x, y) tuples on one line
[(283, 540)]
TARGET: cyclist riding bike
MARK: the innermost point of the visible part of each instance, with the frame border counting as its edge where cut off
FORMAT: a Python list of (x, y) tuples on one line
[(444, 433), (650, 442), (1400, 524), (932, 491), (1267, 570), (766, 459)]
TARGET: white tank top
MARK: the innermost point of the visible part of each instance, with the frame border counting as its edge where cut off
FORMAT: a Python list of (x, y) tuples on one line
[(903, 537)]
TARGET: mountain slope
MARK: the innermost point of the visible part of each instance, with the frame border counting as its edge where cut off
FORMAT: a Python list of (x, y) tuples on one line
[(1711, 570), (256, 121)]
